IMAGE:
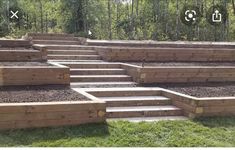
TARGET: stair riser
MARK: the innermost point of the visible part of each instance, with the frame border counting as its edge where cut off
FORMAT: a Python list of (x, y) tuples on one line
[(61, 47), (56, 42), (101, 86), (74, 57), (138, 103), (93, 66), (144, 114), (99, 72), (105, 79), (72, 52), (125, 93)]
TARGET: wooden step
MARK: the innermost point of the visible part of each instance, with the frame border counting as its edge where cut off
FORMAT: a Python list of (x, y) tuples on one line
[(149, 119), (136, 101), (99, 78), (99, 71), (91, 65), (56, 42), (79, 57), (70, 47), (124, 92), (72, 52), (72, 60), (143, 111), (102, 84)]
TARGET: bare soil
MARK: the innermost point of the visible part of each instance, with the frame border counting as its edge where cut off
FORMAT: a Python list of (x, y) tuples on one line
[(155, 64), (201, 89), (49, 93)]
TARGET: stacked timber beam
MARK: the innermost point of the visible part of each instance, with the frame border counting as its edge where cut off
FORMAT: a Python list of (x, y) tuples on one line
[(31, 115), (21, 50), (159, 54), (14, 51), (202, 107), (180, 74), (162, 44)]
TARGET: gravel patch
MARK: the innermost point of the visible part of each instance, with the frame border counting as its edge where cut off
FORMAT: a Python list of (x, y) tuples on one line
[(201, 89), (155, 64), (24, 64), (50, 93)]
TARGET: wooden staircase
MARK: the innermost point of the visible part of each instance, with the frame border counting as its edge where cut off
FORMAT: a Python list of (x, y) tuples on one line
[(137, 104), (98, 74), (109, 82)]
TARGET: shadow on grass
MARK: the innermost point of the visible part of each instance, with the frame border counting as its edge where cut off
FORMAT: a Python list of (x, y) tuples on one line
[(29, 136), (216, 121)]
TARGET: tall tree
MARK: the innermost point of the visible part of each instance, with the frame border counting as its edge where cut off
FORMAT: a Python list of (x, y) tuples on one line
[(110, 19), (233, 4)]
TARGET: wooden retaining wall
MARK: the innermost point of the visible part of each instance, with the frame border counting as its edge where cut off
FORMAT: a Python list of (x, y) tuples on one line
[(180, 74), (32, 115), (36, 53), (55, 36), (202, 107), (40, 75), (166, 54), (15, 43), (176, 44)]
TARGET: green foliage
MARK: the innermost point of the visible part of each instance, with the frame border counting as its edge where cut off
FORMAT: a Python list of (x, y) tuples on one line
[(204, 132), (126, 19)]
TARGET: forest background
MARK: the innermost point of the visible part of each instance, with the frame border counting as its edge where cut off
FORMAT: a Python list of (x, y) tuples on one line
[(115, 19)]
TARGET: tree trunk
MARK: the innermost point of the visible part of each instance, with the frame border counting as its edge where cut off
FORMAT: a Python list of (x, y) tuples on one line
[(110, 20), (132, 19), (118, 18), (233, 3), (177, 19), (137, 14), (41, 15)]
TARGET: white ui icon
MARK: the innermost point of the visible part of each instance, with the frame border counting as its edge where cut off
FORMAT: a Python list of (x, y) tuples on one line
[(190, 15), (216, 17)]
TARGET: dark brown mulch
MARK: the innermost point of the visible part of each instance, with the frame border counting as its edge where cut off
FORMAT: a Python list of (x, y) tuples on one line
[(201, 89), (50, 93), (24, 64), (155, 64)]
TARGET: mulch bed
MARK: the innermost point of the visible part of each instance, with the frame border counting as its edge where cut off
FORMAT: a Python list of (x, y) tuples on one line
[(155, 64), (49, 93), (201, 89), (24, 64)]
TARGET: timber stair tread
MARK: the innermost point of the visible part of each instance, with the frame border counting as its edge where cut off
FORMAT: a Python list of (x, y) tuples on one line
[(71, 60), (100, 83), (149, 119), (142, 108), (143, 111), (136, 101), (134, 98), (73, 55), (99, 76), (95, 69)]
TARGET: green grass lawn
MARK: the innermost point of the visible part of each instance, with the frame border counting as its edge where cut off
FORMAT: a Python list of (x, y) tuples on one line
[(201, 132)]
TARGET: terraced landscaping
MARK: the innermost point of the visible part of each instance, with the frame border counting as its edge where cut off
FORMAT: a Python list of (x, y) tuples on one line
[(128, 91)]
